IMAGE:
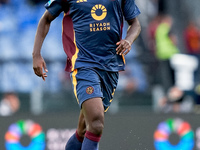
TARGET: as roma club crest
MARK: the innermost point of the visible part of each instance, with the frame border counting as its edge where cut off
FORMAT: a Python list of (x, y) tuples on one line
[(89, 90)]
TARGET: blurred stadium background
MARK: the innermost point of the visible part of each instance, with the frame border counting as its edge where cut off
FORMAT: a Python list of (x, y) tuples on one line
[(152, 90)]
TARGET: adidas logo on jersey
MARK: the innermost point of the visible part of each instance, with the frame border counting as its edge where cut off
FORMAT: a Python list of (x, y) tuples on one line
[(80, 1)]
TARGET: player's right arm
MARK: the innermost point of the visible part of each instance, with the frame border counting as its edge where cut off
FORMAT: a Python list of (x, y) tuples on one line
[(41, 33)]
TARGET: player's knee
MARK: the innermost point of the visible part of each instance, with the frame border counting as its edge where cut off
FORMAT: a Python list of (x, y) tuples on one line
[(97, 126)]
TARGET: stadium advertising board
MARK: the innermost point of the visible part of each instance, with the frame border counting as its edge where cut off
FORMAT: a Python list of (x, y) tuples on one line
[(123, 131)]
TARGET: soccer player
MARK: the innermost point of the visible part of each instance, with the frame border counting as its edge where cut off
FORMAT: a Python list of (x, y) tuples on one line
[(91, 35)]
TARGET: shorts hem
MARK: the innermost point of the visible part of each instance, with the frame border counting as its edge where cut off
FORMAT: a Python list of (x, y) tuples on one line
[(95, 96)]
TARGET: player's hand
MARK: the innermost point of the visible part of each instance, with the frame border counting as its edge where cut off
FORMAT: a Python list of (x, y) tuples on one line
[(124, 46), (38, 66)]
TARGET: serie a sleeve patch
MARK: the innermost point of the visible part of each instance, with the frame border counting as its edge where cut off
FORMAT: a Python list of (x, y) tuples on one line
[(54, 7), (49, 2)]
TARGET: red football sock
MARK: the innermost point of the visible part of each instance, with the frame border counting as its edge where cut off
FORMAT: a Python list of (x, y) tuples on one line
[(92, 136)]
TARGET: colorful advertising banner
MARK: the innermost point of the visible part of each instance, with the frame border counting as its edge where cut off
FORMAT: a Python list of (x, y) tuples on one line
[(123, 131)]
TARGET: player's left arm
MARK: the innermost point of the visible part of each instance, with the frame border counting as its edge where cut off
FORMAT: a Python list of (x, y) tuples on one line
[(124, 45)]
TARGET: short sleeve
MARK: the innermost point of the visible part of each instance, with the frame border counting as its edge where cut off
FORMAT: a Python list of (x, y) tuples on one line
[(130, 9), (54, 7)]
